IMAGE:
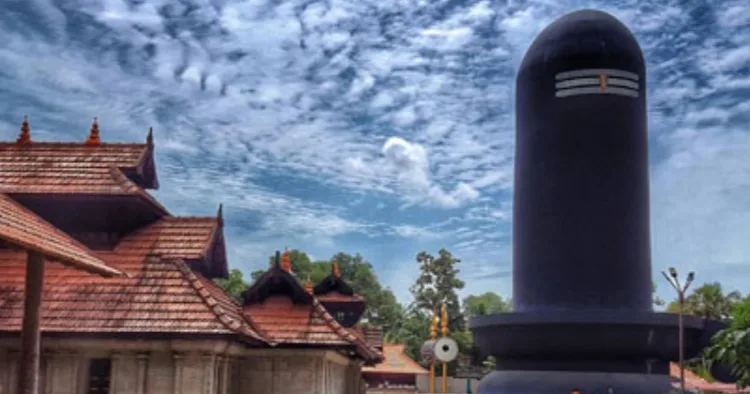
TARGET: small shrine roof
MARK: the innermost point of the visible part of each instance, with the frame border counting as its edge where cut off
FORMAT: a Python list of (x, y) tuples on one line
[(334, 289), (280, 308), (396, 361)]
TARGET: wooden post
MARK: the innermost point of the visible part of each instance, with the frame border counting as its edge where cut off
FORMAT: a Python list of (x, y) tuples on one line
[(28, 373)]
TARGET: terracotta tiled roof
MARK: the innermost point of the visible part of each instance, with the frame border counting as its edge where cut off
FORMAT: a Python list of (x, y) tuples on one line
[(396, 362), (173, 237), (68, 168), (280, 321), (160, 296), (23, 228), (280, 309)]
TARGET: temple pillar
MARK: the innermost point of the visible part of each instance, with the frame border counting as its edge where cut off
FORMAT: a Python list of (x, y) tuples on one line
[(114, 378), (179, 361), (224, 374), (28, 373), (142, 368), (209, 373)]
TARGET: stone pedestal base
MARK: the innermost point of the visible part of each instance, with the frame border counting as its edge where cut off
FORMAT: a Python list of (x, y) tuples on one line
[(549, 382)]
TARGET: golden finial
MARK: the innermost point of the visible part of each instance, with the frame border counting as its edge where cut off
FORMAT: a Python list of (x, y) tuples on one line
[(433, 326), (25, 137), (309, 285), (94, 134), (335, 269), (444, 320), (286, 263)]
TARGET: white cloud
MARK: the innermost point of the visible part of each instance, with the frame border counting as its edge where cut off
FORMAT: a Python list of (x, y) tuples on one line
[(412, 167)]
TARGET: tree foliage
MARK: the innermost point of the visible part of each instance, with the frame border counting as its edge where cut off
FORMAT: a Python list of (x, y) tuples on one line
[(731, 346), (411, 331), (485, 304), (437, 285), (234, 285), (709, 302)]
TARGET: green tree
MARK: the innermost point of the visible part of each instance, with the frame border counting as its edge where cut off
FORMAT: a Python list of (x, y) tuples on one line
[(301, 264), (485, 304), (412, 331), (437, 285), (708, 301), (383, 308), (234, 284), (731, 346)]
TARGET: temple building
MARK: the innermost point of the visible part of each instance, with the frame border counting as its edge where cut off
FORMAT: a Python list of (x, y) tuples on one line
[(164, 327), (397, 374)]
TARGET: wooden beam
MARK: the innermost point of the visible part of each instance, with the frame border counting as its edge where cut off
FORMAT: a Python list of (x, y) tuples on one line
[(28, 373)]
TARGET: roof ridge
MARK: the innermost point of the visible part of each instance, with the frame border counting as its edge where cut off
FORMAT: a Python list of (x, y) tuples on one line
[(229, 322), (79, 144), (191, 218)]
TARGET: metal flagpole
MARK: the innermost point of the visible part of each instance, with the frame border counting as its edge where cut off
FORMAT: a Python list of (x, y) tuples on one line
[(433, 336)]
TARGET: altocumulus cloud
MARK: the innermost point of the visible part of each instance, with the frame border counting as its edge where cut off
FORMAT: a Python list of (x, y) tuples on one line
[(381, 127)]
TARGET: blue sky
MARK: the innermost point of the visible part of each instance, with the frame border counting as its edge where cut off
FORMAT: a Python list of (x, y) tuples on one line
[(383, 127)]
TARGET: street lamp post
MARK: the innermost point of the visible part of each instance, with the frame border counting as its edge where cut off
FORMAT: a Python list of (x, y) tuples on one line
[(675, 282)]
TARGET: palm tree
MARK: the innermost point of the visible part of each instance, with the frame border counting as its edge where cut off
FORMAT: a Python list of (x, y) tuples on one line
[(708, 301), (731, 346)]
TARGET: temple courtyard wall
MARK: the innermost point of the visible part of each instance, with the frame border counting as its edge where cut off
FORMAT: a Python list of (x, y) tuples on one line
[(69, 366)]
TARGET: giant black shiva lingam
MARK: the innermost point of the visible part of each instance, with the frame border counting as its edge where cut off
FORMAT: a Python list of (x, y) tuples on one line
[(581, 245)]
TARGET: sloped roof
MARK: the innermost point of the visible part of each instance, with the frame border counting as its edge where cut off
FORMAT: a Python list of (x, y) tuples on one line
[(396, 361), (187, 238), (54, 167), (173, 237), (23, 228), (284, 313), (77, 168), (334, 289), (161, 294)]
